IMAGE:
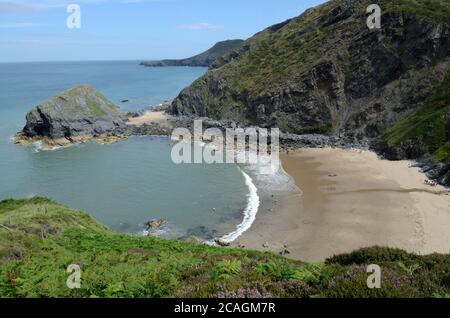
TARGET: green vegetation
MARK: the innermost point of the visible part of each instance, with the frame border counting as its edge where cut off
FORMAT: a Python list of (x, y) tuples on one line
[(310, 72), (278, 57), (226, 269), (429, 127), (432, 10), (67, 104), (95, 108), (443, 153), (203, 59), (40, 238)]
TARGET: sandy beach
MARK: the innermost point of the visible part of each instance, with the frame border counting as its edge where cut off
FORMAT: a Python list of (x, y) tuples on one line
[(148, 118), (351, 199)]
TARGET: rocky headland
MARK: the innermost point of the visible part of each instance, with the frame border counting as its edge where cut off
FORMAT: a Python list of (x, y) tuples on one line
[(324, 78), (204, 59)]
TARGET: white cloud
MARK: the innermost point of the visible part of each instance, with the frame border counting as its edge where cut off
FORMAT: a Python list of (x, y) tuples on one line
[(202, 26)]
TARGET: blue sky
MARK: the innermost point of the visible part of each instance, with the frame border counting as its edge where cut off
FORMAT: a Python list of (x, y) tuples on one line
[(35, 30)]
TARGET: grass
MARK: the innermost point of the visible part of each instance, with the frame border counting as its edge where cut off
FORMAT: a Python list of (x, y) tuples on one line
[(443, 153), (429, 127), (431, 10), (67, 104), (39, 239), (95, 108)]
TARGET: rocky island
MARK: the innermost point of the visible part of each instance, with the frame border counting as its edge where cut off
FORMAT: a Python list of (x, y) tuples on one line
[(76, 115)]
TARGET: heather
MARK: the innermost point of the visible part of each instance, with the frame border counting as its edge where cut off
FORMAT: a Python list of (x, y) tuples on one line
[(40, 238)]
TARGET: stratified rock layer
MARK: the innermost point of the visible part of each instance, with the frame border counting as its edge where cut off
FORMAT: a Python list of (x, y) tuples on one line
[(326, 72)]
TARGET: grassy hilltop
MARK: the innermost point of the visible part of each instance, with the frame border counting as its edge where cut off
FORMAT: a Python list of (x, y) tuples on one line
[(40, 238)]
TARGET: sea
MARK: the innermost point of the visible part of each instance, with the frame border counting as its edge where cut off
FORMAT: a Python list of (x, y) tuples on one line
[(126, 184)]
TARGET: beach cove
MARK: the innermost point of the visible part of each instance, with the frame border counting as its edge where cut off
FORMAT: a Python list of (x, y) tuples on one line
[(351, 199), (125, 184)]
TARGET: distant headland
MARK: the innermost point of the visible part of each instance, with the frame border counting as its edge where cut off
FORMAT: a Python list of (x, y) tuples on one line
[(204, 59)]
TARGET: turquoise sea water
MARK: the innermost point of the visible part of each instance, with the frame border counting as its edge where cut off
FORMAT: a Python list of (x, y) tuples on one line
[(125, 184)]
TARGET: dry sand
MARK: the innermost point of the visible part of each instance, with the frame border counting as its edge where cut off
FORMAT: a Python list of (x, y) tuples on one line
[(148, 117), (369, 202)]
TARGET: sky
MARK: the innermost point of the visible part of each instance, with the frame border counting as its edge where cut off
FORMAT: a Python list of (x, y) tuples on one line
[(36, 30)]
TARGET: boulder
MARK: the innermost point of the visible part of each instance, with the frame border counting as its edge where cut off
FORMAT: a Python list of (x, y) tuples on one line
[(285, 251), (221, 242), (154, 224), (445, 179)]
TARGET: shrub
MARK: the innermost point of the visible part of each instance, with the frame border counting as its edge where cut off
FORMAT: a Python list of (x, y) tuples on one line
[(226, 269), (436, 295), (119, 265), (374, 255), (353, 284), (294, 289), (313, 273), (434, 276), (244, 293), (276, 270), (114, 290), (411, 269)]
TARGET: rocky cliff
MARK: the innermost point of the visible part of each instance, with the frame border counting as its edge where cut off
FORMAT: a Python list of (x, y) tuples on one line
[(327, 72), (80, 111), (204, 59)]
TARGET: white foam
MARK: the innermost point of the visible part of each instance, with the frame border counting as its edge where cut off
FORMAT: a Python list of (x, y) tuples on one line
[(250, 211), (158, 232), (270, 175), (38, 147)]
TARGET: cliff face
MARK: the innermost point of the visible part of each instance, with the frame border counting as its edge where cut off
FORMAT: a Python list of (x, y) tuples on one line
[(79, 111), (326, 72), (204, 59)]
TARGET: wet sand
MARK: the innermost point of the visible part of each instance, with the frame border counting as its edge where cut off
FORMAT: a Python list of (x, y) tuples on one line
[(351, 199)]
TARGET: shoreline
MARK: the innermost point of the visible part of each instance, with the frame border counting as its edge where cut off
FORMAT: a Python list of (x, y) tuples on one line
[(312, 231), (149, 123), (351, 199), (249, 215), (45, 143)]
